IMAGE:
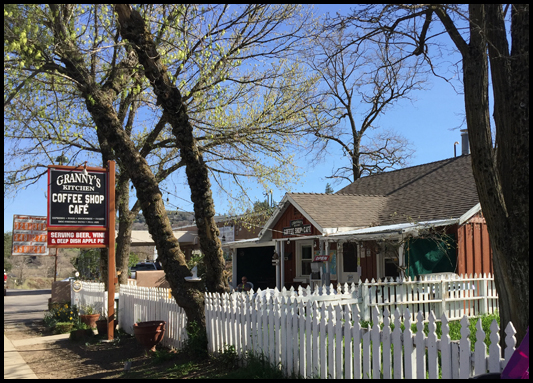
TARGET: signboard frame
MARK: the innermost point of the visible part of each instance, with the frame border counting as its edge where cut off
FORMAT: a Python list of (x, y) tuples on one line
[(108, 228), (80, 231), (34, 228)]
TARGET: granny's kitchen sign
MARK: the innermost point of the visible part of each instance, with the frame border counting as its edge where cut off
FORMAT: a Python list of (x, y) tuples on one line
[(77, 198)]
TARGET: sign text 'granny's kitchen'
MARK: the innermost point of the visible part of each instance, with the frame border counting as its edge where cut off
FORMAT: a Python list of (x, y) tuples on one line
[(76, 199)]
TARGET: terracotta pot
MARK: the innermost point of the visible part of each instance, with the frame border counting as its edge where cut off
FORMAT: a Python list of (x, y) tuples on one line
[(149, 334), (101, 325), (90, 320)]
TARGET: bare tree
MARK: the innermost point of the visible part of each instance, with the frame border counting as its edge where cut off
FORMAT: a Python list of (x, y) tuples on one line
[(479, 32), (359, 85)]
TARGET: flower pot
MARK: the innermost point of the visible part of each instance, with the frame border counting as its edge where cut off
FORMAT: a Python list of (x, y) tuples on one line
[(101, 326), (81, 334), (90, 320), (149, 334)]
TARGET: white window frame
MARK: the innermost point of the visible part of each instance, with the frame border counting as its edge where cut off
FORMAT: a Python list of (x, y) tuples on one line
[(299, 245)]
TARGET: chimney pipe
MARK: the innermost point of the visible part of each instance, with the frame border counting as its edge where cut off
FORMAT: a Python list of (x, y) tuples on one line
[(465, 145)]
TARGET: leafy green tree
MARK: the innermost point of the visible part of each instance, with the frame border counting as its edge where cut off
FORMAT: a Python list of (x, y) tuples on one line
[(329, 189), (239, 111), (87, 84)]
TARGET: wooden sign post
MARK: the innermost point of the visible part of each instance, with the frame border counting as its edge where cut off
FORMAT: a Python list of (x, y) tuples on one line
[(81, 214), (111, 254)]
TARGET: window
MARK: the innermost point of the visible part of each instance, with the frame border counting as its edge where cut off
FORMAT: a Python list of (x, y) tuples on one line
[(350, 257), (391, 268), (304, 258)]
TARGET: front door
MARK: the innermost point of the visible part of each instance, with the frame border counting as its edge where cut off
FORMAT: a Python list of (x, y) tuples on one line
[(349, 271)]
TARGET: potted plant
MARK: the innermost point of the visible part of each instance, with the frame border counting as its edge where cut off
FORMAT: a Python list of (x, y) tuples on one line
[(81, 331), (149, 334), (88, 316), (101, 324)]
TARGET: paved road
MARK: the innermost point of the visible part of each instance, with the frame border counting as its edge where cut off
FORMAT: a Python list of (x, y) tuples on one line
[(25, 306), (21, 306)]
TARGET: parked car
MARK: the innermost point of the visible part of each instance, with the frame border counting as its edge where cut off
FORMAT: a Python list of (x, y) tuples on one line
[(5, 283), (145, 266)]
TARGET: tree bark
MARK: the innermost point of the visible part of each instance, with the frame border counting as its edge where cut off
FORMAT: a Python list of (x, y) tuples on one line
[(132, 28), (125, 218), (500, 172)]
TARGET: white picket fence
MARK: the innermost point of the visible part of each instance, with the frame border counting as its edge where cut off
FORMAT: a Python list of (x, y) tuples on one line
[(318, 333), (317, 339), (141, 304), (454, 296), (91, 294)]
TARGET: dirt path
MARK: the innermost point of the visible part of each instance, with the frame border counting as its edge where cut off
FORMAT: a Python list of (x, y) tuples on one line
[(66, 359)]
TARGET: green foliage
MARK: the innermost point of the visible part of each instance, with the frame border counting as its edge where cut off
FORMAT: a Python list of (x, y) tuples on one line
[(88, 264), (196, 343), (63, 327), (329, 189), (8, 242), (257, 367), (49, 320), (133, 260), (228, 358), (79, 325), (86, 310), (62, 312), (163, 355)]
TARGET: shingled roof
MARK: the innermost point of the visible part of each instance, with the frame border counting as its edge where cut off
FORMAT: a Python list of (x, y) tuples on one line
[(340, 210), (438, 190)]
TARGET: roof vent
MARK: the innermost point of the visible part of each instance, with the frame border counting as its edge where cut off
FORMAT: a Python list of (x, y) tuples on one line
[(465, 145)]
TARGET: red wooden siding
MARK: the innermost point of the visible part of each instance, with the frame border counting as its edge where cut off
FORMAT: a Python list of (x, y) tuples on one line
[(285, 221), (474, 254), (368, 263)]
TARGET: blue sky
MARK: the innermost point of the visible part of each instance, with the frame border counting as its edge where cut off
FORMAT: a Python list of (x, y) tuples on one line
[(428, 123)]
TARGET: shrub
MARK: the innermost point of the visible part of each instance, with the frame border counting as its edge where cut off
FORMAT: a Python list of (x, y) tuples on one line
[(196, 343), (63, 327), (60, 312)]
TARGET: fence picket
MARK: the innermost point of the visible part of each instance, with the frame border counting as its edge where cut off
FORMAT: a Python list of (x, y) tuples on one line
[(420, 347), (387, 362), (397, 344), (445, 349), (464, 350), (433, 366), (409, 355), (338, 342), (376, 344)]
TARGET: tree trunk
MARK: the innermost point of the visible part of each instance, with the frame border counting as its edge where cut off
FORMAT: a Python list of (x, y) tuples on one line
[(505, 204), (188, 296), (132, 28), (125, 222)]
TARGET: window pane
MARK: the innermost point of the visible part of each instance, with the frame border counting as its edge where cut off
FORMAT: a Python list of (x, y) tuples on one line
[(391, 270), (307, 252), (306, 268), (349, 252)]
